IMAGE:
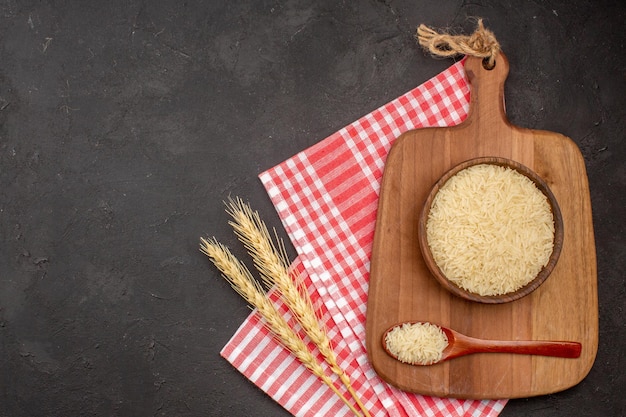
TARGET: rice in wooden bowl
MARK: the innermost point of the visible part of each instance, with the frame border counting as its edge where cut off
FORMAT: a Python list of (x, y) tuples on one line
[(491, 230)]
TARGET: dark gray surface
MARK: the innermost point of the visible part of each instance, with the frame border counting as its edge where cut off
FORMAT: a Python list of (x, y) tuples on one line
[(124, 124)]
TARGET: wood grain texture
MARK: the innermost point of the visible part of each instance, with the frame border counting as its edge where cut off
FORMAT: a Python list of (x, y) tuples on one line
[(564, 307)]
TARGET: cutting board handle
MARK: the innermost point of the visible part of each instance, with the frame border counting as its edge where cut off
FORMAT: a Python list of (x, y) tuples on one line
[(487, 91)]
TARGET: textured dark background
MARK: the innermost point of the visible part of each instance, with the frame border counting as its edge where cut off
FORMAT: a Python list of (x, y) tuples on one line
[(124, 124)]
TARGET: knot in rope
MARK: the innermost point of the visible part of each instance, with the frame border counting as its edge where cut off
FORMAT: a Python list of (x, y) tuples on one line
[(482, 43)]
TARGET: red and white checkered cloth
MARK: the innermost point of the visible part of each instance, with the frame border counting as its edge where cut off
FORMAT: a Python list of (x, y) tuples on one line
[(327, 197)]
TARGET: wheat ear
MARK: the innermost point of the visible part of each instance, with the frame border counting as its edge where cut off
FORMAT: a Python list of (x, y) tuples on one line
[(271, 261), (240, 278)]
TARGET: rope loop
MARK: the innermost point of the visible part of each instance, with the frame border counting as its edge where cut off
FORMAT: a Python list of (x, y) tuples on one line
[(482, 43)]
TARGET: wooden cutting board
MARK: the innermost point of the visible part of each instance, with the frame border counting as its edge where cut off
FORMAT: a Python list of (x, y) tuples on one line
[(565, 307)]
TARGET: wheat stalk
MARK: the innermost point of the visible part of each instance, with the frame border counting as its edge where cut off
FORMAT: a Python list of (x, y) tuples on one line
[(271, 261), (240, 278)]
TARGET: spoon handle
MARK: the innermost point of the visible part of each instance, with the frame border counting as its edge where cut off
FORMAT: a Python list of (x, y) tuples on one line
[(544, 348)]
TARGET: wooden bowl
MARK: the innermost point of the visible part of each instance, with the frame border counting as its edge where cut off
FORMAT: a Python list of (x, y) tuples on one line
[(541, 276)]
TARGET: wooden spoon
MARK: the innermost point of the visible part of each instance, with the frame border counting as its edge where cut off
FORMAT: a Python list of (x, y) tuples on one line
[(460, 345)]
